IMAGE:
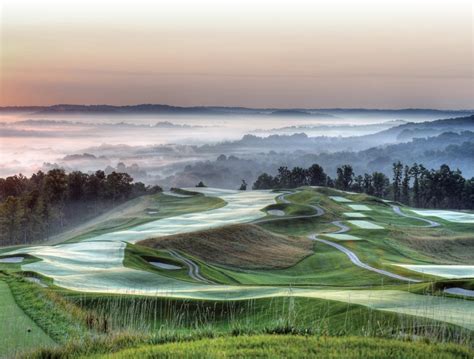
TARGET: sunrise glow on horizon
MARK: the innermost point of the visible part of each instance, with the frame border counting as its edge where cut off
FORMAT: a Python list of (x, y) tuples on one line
[(391, 54)]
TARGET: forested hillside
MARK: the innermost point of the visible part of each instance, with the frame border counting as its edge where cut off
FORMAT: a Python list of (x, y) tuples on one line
[(34, 208)]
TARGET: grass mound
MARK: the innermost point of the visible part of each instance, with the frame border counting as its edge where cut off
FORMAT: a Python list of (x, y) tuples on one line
[(293, 346), (240, 245)]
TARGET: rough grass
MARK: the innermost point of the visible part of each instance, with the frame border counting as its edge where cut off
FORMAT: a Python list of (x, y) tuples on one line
[(445, 245), (295, 346), (240, 245)]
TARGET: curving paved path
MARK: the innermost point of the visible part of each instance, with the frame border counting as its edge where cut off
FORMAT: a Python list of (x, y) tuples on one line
[(355, 260), (431, 224), (342, 229), (193, 268)]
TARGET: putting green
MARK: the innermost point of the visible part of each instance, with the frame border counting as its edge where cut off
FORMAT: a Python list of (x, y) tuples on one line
[(365, 224), (18, 332), (340, 199), (354, 214), (359, 207), (343, 237)]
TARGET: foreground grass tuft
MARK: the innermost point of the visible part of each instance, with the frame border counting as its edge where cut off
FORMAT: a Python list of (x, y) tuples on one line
[(291, 346)]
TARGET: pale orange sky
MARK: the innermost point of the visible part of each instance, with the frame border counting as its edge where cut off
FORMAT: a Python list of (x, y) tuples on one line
[(385, 54)]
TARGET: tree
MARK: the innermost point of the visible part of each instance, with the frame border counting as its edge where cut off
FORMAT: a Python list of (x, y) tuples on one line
[(406, 186), (243, 186), (345, 176), (55, 190), (11, 216), (358, 184), (265, 181), (367, 184), (381, 184), (76, 185), (397, 177), (316, 175), (415, 173), (297, 177), (201, 184), (118, 185), (284, 177)]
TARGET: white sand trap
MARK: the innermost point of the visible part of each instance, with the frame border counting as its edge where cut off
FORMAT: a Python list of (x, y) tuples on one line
[(343, 237), (340, 199), (354, 214), (444, 271), (11, 260), (165, 265), (359, 207), (276, 212), (451, 216), (152, 212), (365, 224), (460, 291)]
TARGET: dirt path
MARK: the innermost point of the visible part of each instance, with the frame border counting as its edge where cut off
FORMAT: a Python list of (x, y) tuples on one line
[(193, 268), (431, 223)]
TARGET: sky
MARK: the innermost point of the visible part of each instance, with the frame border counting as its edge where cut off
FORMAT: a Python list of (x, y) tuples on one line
[(254, 53)]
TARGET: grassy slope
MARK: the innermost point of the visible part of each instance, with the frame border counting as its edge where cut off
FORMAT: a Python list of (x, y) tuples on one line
[(139, 211), (17, 331), (240, 245), (291, 346)]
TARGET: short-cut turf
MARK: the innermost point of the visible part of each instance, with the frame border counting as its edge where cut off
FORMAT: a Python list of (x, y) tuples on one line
[(17, 331)]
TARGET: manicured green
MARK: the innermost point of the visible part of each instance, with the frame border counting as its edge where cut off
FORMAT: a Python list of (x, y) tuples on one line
[(18, 332)]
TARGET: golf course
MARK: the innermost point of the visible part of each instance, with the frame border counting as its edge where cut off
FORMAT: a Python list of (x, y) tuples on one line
[(208, 272)]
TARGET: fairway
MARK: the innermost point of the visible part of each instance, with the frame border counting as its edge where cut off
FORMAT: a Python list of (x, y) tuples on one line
[(18, 332), (444, 271), (450, 216)]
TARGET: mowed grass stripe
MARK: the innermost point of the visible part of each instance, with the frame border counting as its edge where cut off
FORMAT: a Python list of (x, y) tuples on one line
[(17, 331)]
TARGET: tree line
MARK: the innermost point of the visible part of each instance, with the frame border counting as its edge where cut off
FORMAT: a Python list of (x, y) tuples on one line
[(413, 185), (34, 208)]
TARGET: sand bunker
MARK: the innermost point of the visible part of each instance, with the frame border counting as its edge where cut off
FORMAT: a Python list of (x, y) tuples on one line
[(276, 212)]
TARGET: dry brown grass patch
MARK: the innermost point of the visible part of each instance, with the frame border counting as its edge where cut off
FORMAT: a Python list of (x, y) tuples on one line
[(240, 245)]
